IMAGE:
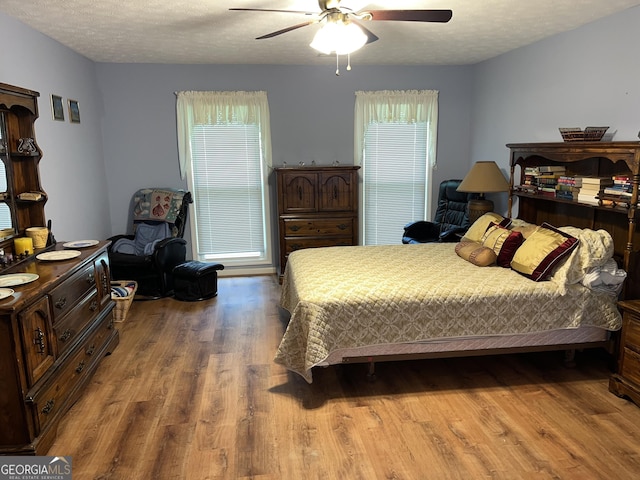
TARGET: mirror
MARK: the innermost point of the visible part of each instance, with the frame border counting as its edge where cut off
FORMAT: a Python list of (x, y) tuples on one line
[(5, 211), (3, 134), (5, 217)]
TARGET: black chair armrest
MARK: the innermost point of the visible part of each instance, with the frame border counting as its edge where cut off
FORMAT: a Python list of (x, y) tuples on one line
[(452, 235), (167, 242), (170, 252), (421, 232), (115, 238)]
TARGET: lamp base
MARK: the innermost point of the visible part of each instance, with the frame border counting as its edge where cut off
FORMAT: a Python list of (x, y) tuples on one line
[(478, 207)]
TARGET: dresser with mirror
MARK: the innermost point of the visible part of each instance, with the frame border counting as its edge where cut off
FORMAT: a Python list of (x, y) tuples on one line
[(56, 311)]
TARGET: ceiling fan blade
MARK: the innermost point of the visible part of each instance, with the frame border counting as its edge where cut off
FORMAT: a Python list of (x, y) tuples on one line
[(285, 30), (441, 16), (371, 37), (271, 10)]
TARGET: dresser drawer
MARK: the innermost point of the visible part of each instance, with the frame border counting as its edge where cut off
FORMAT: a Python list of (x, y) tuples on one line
[(631, 366), (632, 333), (293, 244), (65, 296), (318, 226), (38, 346), (68, 328), (58, 392)]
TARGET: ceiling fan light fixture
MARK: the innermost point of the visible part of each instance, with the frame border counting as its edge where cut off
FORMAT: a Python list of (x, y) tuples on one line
[(341, 38)]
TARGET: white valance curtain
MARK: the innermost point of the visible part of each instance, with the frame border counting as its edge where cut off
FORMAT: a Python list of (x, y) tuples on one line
[(396, 106), (218, 108)]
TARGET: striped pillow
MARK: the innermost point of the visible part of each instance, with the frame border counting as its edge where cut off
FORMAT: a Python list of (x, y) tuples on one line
[(542, 251)]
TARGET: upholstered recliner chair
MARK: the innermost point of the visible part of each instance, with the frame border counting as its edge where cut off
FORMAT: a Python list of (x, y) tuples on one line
[(450, 221), (149, 255)]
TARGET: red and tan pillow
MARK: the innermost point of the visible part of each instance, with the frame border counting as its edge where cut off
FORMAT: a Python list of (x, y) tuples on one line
[(475, 253), (480, 226), (503, 242), (542, 251)]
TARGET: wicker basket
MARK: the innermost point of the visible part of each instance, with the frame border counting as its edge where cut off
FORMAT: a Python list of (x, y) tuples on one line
[(123, 303), (590, 134)]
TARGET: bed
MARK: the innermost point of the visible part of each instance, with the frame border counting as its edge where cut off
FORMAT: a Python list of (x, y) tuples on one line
[(394, 302)]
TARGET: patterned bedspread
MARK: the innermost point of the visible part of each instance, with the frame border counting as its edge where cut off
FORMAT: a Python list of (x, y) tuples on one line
[(342, 297)]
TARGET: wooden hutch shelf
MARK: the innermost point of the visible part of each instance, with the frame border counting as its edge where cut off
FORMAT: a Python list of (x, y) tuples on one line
[(601, 159)]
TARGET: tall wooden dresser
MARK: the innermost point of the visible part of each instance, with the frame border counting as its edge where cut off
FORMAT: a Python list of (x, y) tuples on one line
[(317, 207), (54, 330)]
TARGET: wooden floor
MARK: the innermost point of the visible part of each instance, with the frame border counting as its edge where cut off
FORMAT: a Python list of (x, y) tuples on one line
[(192, 392)]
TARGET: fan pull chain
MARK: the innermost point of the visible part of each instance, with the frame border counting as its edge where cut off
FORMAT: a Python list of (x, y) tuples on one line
[(338, 63)]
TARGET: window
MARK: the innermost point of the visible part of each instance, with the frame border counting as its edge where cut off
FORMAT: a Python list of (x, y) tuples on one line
[(224, 154), (395, 136)]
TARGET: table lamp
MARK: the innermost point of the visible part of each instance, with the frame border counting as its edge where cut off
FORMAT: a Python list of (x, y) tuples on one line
[(484, 177)]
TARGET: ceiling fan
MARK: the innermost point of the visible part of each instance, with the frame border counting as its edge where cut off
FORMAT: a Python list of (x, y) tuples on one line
[(342, 31)]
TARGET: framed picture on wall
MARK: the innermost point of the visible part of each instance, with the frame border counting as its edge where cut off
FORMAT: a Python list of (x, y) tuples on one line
[(74, 111), (57, 108)]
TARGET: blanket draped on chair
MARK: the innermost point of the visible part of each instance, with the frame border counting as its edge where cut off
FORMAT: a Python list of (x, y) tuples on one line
[(157, 205)]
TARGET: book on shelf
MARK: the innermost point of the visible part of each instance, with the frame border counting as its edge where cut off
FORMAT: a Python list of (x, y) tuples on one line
[(614, 190), (547, 191), (621, 179), (590, 190), (551, 168), (600, 181), (567, 192), (588, 198), (569, 180), (567, 195), (546, 180), (544, 169), (527, 188)]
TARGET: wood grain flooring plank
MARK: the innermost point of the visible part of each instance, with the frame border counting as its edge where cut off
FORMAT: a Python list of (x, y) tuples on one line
[(192, 392)]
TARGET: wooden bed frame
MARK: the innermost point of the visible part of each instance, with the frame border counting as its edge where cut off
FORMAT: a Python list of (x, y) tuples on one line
[(579, 158)]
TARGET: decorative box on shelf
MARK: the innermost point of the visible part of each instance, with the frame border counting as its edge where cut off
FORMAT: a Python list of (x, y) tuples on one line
[(589, 134)]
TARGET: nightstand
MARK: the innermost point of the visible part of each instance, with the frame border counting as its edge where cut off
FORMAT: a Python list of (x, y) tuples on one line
[(626, 382)]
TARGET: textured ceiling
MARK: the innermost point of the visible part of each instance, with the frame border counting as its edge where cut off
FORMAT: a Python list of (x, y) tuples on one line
[(206, 32)]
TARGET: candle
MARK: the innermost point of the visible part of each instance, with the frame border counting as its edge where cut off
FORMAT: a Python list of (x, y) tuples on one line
[(23, 245)]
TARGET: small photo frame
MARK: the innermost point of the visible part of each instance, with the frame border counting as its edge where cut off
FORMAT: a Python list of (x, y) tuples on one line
[(74, 111), (57, 107)]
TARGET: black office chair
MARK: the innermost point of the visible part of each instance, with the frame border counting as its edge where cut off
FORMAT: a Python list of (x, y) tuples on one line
[(451, 219), (149, 255)]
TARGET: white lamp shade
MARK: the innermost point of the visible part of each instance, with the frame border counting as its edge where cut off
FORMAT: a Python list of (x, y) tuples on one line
[(339, 37)]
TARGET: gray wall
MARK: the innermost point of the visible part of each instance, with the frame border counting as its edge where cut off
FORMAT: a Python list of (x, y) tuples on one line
[(589, 76), (72, 167), (311, 115), (126, 140)]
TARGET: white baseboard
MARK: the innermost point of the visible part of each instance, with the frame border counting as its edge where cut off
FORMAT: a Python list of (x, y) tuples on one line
[(246, 271)]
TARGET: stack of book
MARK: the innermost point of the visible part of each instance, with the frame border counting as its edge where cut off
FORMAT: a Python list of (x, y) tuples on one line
[(591, 189), (620, 191), (542, 180), (568, 187), (530, 174)]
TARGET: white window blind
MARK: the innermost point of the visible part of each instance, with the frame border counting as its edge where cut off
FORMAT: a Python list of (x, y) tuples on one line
[(395, 144), (224, 148), (228, 190), (394, 179)]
